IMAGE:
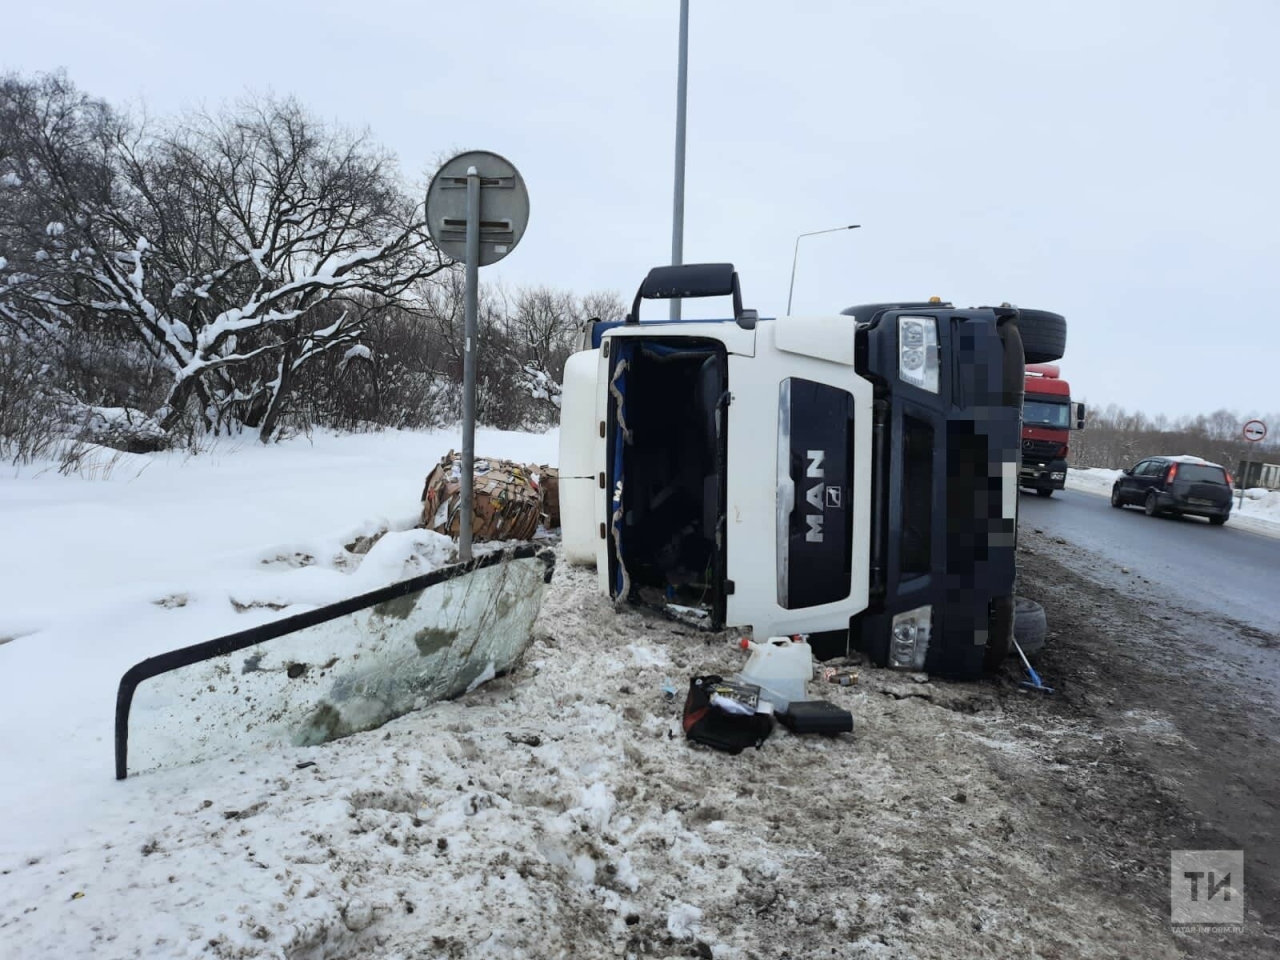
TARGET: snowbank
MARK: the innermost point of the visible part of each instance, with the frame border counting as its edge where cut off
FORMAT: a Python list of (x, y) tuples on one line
[(162, 551), (1260, 512), (1091, 479), (559, 812)]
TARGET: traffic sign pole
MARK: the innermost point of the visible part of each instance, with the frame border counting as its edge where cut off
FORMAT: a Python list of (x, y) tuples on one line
[(1255, 431), (471, 299), (477, 210)]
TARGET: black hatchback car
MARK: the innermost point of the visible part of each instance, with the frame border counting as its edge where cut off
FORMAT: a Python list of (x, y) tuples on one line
[(1176, 485)]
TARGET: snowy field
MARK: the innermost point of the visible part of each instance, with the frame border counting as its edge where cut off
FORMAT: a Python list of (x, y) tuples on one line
[(142, 554), (1259, 514)]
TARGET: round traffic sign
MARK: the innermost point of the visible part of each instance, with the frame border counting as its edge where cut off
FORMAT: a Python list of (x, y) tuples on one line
[(1255, 430), (504, 206)]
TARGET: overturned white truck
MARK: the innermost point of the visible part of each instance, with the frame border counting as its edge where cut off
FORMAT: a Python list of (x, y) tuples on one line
[(850, 476)]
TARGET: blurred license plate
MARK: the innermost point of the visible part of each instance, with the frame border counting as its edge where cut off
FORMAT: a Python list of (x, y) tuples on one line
[(1200, 503)]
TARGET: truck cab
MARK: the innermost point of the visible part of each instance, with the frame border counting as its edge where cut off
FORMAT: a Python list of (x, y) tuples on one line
[(850, 476), (1048, 416)]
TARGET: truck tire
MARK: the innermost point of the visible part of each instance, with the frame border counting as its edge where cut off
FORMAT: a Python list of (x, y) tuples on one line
[(1044, 335), (1030, 627), (999, 632)]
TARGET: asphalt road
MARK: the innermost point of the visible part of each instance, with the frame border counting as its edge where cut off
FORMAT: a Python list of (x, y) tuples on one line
[(1167, 633), (1216, 570), (1192, 704)]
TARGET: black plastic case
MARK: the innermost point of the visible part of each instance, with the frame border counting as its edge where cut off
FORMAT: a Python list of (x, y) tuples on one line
[(816, 716)]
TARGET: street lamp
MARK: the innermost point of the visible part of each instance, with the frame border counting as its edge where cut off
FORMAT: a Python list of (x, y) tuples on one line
[(852, 226), (682, 96)]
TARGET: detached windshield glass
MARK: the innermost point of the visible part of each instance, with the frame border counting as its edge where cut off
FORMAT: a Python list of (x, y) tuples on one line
[(1046, 414)]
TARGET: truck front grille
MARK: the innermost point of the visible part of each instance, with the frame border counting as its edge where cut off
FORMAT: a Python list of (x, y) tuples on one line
[(1041, 449)]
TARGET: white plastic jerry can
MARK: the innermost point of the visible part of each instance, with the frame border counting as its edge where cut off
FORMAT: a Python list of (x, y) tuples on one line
[(780, 667)]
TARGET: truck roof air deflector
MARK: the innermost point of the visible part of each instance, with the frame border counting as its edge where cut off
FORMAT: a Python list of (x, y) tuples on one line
[(691, 281)]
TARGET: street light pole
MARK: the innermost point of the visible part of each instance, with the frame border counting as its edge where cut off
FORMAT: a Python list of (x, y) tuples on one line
[(682, 91), (796, 256)]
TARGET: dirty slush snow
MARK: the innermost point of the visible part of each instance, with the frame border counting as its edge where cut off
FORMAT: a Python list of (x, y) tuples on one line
[(558, 811)]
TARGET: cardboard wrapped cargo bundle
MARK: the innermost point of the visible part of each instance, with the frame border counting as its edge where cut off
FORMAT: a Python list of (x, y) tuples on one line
[(548, 480), (506, 506)]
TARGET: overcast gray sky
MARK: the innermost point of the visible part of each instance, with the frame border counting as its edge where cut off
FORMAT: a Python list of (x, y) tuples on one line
[(1115, 161)]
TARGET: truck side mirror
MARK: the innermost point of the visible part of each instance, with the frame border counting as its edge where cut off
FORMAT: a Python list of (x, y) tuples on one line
[(1077, 414)]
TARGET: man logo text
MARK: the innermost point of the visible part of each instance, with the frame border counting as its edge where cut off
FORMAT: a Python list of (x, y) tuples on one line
[(814, 471)]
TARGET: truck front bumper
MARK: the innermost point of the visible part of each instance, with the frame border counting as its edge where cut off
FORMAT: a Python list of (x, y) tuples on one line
[(1051, 475)]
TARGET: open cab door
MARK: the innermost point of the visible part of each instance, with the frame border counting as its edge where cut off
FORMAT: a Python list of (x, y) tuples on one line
[(667, 396)]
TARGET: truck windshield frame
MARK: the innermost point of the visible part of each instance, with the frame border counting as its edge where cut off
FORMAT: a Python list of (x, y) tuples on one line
[(1055, 414)]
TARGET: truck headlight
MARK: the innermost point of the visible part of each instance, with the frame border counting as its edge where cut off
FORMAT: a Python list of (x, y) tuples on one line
[(918, 352), (909, 638)]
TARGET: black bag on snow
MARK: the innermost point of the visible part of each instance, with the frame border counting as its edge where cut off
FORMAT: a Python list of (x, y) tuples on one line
[(704, 722)]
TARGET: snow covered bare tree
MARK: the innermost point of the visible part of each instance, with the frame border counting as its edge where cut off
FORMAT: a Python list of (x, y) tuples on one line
[(251, 267), (214, 244), (545, 325)]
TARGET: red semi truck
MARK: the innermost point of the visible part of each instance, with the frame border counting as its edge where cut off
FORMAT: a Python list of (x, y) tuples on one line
[(1048, 416)]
